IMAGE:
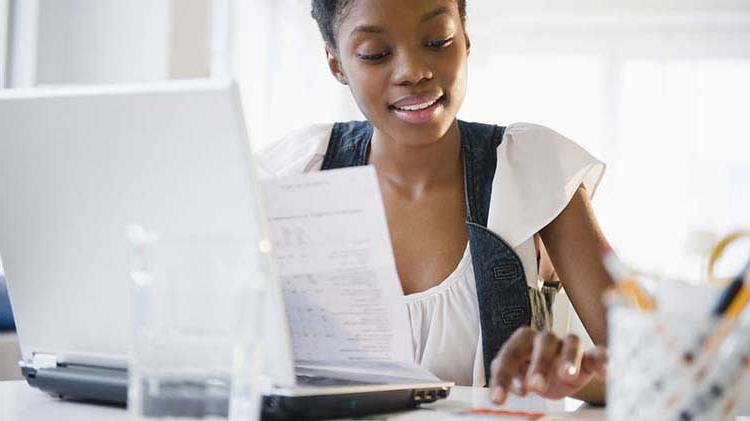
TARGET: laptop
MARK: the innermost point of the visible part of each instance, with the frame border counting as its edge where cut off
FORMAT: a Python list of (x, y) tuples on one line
[(77, 166)]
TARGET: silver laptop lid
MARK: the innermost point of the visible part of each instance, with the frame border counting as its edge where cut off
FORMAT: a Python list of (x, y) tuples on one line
[(77, 166)]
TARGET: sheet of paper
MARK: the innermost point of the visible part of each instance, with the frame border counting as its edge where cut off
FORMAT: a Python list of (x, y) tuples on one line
[(336, 267)]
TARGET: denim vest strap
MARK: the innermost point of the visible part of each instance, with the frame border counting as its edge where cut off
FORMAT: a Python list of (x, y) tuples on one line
[(348, 145), (502, 293)]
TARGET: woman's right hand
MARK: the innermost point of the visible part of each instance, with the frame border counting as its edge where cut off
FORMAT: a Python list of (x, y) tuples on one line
[(540, 362)]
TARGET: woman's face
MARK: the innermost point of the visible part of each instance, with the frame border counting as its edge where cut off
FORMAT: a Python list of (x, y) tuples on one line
[(405, 63)]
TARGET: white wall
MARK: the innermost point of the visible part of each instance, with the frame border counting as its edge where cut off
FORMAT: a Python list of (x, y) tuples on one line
[(102, 41), (4, 32), (23, 36), (190, 39)]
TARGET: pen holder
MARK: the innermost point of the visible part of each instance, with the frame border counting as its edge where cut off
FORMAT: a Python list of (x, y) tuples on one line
[(676, 366)]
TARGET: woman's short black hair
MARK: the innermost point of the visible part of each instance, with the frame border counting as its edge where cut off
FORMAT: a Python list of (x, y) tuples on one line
[(329, 12)]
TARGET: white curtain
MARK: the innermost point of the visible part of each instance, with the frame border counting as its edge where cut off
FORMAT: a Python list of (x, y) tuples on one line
[(659, 90)]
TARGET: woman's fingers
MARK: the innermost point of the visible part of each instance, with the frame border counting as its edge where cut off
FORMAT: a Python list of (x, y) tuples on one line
[(518, 386), (571, 356), (595, 362), (514, 353), (543, 363), (543, 358)]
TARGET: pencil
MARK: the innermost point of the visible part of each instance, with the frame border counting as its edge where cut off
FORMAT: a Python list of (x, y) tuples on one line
[(728, 296), (739, 302)]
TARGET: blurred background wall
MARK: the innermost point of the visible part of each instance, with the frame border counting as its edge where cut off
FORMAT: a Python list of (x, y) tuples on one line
[(658, 89)]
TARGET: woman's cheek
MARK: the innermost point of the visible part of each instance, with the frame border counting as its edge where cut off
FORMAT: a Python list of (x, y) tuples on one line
[(372, 91)]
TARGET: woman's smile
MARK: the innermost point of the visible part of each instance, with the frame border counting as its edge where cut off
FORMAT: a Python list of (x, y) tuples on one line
[(418, 109)]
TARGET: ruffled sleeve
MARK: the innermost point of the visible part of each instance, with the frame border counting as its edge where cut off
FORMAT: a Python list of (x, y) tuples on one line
[(538, 171), (300, 151)]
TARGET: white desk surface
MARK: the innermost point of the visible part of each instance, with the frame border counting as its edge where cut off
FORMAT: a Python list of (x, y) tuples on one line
[(20, 402)]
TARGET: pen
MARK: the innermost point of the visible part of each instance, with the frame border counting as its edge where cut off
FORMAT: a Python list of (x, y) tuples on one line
[(743, 296), (728, 295), (507, 413), (739, 302), (732, 301)]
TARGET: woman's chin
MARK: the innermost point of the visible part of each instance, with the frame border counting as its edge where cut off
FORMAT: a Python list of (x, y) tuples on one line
[(423, 134)]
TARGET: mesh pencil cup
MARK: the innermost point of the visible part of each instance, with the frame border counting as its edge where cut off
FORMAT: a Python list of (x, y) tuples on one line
[(676, 366)]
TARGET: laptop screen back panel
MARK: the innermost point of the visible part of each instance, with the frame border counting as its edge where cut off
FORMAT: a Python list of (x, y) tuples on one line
[(78, 166)]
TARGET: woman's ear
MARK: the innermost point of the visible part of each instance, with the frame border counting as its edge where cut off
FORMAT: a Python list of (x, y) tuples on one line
[(335, 66), (468, 44)]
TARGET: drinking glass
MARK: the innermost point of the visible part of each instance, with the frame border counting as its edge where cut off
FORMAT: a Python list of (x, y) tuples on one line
[(196, 310)]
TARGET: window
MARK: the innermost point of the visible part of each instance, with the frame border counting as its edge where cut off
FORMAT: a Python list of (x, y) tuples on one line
[(73, 42)]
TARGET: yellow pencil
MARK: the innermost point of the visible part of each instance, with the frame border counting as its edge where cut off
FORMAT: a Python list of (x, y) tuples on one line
[(739, 302)]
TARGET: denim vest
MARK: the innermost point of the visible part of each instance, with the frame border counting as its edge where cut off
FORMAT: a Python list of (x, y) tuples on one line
[(505, 300)]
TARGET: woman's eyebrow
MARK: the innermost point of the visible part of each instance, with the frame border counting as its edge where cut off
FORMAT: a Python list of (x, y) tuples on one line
[(435, 13), (371, 29)]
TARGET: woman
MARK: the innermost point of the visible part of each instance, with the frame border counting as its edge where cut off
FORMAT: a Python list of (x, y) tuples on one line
[(477, 213)]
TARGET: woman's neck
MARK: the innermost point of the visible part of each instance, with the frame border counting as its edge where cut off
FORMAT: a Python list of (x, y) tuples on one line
[(418, 168)]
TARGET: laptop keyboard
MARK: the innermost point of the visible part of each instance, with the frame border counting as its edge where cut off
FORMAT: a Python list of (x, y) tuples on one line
[(320, 381)]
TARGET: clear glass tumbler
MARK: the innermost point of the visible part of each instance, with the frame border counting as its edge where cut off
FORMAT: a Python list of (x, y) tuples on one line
[(196, 310)]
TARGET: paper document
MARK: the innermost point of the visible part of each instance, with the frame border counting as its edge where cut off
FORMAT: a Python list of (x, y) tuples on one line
[(336, 267)]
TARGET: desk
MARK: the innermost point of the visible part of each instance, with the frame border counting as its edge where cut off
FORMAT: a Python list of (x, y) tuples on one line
[(20, 402)]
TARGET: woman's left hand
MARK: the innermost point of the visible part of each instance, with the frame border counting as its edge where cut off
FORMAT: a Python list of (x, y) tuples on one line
[(540, 362)]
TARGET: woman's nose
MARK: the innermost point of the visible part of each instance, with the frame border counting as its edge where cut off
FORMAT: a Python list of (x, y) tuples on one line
[(411, 69)]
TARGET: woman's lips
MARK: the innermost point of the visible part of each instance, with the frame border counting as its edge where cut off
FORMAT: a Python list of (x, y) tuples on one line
[(414, 112)]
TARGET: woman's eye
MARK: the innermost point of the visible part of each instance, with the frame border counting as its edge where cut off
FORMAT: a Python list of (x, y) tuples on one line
[(373, 57), (440, 43)]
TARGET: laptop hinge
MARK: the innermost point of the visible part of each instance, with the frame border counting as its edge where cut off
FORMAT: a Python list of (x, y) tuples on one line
[(40, 361)]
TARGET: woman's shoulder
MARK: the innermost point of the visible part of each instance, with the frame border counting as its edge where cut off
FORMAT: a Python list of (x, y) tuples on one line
[(538, 171), (529, 145), (301, 150), (530, 134), (524, 134)]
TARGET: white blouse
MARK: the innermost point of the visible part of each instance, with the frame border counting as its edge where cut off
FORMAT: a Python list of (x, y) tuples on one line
[(538, 171)]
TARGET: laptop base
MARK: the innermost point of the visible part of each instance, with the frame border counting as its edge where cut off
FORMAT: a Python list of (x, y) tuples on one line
[(110, 386)]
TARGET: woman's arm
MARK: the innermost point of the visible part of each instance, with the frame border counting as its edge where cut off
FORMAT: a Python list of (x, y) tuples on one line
[(575, 243), (548, 365)]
